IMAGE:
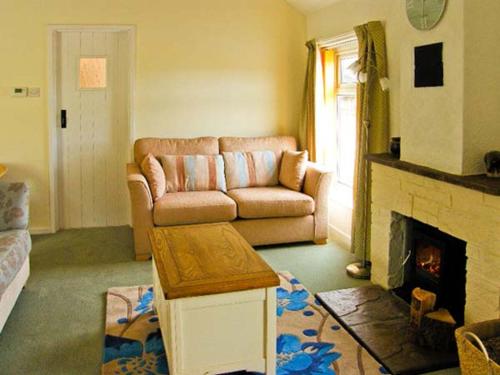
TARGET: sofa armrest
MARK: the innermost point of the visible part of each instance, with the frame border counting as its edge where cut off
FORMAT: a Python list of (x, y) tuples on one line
[(317, 185), (14, 205), (134, 174), (141, 201)]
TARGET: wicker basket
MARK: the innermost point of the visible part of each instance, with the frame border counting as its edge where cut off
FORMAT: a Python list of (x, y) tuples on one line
[(474, 359)]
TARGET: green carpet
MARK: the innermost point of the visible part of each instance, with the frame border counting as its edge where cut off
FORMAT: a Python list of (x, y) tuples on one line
[(57, 325)]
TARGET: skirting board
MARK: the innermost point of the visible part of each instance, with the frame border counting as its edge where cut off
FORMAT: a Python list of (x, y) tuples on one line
[(339, 237), (36, 231), (41, 230)]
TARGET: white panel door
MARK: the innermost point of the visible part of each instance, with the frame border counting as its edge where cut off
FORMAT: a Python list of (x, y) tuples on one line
[(93, 90)]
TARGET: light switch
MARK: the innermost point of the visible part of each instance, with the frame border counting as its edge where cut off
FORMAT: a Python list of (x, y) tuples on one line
[(19, 91), (34, 92)]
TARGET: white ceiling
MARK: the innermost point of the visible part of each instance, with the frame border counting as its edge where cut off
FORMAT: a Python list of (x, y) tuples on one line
[(309, 6)]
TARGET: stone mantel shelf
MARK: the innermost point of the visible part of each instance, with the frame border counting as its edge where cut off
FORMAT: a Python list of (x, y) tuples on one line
[(480, 182)]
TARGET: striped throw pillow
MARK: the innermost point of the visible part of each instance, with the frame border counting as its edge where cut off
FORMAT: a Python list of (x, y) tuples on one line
[(248, 169), (194, 172)]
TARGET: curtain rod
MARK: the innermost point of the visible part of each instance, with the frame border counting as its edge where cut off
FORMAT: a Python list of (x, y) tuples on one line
[(337, 40)]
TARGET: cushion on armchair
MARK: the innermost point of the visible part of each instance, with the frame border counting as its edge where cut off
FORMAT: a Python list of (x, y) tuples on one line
[(14, 200), (293, 169), (249, 169)]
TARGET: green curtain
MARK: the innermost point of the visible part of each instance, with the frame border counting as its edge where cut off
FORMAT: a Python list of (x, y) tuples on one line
[(307, 134), (372, 133)]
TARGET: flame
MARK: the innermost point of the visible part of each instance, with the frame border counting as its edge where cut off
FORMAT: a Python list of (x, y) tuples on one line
[(429, 260)]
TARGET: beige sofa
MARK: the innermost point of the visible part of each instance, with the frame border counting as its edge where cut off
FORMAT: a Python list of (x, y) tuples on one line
[(263, 215)]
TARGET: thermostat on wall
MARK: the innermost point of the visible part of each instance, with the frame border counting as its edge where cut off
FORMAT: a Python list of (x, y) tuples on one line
[(19, 91)]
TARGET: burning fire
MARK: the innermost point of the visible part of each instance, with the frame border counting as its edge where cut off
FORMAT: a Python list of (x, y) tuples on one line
[(429, 260)]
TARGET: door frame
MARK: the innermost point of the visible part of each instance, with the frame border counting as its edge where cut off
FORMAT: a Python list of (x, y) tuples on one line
[(52, 112)]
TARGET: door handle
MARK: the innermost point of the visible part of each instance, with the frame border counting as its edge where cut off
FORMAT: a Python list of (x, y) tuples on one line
[(63, 119)]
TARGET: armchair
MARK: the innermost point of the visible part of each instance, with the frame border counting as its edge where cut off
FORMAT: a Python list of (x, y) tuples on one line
[(15, 245)]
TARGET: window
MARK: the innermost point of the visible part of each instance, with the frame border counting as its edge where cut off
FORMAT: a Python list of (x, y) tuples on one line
[(336, 114), (347, 77), (345, 118), (92, 73)]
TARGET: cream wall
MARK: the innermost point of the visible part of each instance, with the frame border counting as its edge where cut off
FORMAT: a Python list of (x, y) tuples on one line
[(450, 128), (219, 67), (432, 117), (482, 82)]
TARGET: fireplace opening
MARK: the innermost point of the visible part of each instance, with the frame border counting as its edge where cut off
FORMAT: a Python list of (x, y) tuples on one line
[(436, 261)]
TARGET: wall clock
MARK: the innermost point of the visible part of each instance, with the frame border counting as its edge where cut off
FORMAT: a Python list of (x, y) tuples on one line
[(425, 14)]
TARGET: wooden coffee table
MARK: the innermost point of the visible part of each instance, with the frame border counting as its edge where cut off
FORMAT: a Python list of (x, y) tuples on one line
[(216, 300)]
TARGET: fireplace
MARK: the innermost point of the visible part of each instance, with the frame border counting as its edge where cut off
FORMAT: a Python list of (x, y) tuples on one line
[(435, 261)]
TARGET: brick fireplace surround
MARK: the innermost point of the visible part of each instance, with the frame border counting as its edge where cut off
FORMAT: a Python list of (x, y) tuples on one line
[(465, 213)]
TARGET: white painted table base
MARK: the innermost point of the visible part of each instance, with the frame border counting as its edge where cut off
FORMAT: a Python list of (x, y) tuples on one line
[(218, 333)]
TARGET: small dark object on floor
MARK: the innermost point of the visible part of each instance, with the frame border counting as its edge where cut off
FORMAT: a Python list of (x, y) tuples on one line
[(380, 322)]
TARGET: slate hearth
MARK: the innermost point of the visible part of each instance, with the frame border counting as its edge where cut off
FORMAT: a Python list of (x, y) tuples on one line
[(380, 322)]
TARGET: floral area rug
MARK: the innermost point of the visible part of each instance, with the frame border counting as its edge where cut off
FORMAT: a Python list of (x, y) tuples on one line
[(309, 340)]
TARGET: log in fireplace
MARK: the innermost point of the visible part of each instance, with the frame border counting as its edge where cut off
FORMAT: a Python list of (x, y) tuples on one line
[(436, 262)]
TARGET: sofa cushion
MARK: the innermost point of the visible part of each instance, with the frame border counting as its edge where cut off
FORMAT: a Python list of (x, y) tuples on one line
[(193, 207), (15, 246), (194, 172), (152, 170), (174, 146), (293, 169), (248, 169), (278, 144), (276, 201)]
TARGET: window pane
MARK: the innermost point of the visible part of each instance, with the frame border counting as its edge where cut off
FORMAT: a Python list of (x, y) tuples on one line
[(346, 75), (92, 73), (346, 138)]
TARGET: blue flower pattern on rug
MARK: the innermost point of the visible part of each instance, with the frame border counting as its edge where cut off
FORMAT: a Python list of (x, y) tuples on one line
[(309, 358), (294, 301), (134, 356), (145, 302), (121, 348), (294, 355)]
